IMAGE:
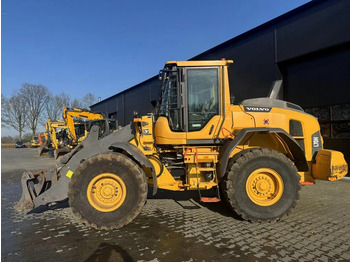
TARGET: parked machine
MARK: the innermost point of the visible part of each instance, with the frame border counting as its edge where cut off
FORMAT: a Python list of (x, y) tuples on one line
[(35, 141), (258, 152), (72, 131), (76, 134), (54, 140)]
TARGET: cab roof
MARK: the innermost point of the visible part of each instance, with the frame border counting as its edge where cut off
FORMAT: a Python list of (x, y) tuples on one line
[(222, 62)]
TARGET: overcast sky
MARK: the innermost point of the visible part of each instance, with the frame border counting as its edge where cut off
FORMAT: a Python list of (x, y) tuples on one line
[(106, 46)]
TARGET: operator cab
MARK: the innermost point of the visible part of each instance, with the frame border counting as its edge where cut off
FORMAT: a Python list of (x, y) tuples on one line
[(190, 101)]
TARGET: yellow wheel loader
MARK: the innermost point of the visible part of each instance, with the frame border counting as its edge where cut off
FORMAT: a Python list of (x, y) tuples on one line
[(257, 152)]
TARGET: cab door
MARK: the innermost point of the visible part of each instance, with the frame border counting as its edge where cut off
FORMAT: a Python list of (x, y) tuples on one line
[(202, 117)]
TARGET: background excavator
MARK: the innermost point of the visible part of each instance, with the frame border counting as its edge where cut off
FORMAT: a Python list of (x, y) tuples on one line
[(76, 134), (257, 153), (35, 142), (54, 140), (72, 131)]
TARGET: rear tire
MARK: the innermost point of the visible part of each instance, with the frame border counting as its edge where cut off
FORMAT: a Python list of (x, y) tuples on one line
[(107, 191), (261, 185)]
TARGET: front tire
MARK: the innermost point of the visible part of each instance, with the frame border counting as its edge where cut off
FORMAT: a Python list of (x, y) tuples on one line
[(261, 185), (107, 191)]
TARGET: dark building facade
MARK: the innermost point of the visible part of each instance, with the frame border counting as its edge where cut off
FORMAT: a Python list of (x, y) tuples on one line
[(308, 48)]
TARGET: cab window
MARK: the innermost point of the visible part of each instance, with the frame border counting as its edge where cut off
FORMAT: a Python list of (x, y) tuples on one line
[(202, 95)]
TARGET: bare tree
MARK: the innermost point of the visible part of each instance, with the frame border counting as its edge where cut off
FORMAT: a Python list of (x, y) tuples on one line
[(13, 112), (76, 103), (27, 137), (52, 110), (54, 107), (7, 140), (3, 100), (88, 100), (36, 97), (64, 100), (3, 104)]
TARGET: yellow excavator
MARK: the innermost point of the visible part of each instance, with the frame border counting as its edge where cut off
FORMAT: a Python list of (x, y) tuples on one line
[(35, 142), (55, 138), (257, 152), (76, 133), (72, 132)]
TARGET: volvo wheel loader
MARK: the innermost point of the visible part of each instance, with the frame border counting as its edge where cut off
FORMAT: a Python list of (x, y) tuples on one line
[(257, 152)]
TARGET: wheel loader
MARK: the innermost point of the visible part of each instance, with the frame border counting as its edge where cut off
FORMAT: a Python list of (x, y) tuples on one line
[(258, 153)]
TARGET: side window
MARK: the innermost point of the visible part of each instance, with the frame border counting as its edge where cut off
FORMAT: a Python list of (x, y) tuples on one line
[(203, 101)]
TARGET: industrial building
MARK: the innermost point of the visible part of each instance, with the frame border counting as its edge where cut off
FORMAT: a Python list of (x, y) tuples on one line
[(308, 48)]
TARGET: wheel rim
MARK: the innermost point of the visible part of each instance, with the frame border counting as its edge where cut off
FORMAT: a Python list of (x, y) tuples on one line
[(264, 186), (106, 192)]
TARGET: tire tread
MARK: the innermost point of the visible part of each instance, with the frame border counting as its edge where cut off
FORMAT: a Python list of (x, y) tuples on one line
[(139, 176), (234, 167)]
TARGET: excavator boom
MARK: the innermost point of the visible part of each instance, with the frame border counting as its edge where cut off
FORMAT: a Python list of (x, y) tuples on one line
[(70, 113)]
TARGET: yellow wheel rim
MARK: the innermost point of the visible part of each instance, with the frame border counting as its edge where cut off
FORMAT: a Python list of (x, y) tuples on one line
[(106, 192), (264, 186)]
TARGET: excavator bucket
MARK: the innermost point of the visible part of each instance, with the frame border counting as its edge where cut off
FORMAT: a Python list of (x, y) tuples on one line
[(60, 151), (43, 149)]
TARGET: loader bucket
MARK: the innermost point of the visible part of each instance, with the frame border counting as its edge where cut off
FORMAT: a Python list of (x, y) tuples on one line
[(32, 185), (51, 186)]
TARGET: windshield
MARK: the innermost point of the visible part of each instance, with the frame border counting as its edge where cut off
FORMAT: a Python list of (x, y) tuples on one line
[(170, 105)]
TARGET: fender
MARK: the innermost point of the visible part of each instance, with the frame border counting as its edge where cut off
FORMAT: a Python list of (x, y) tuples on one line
[(226, 150), (140, 158)]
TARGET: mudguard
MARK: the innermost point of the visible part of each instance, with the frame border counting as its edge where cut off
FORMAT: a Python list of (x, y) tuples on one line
[(226, 150), (139, 157)]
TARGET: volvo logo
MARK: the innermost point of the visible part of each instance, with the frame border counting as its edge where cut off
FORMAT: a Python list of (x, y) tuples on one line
[(257, 109)]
